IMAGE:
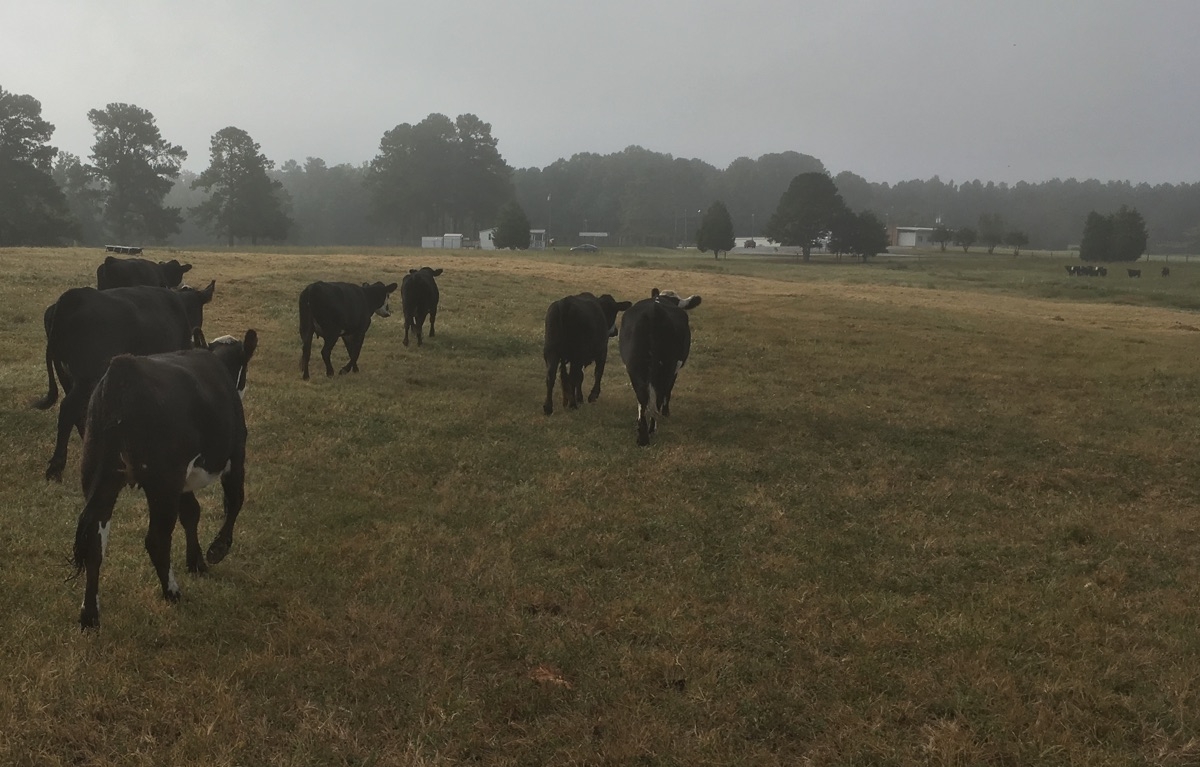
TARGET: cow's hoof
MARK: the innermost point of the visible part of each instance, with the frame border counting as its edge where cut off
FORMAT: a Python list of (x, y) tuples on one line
[(171, 596), (198, 567), (406, 342), (54, 473), (305, 377), (89, 619), (548, 409), (593, 397), (217, 552)]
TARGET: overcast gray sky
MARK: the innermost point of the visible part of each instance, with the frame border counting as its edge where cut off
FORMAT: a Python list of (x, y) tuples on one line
[(1002, 90)]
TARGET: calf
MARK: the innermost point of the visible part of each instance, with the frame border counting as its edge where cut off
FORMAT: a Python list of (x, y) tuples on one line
[(655, 341), (577, 333), (172, 424), (127, 272), (86, 328), (334, 310), (419, 296)]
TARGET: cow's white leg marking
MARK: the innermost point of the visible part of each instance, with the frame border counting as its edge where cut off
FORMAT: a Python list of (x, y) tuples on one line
[(103, 529), (172, 584)]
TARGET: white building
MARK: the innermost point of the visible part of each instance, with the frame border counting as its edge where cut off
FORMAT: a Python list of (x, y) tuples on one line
[(912, 236), (447, 241)]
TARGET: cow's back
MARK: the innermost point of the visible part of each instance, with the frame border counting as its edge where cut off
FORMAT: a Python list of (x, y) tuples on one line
[(337, 307), (575, 329), (90, 326), (127, 272), (650, 329), (166, 409), (419, 291)]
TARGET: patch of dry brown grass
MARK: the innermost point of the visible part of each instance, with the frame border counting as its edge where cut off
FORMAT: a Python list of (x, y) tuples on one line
[(945, 522)]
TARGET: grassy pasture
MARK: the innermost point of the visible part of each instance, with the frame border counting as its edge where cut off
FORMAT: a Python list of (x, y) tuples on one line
[(924, 511)]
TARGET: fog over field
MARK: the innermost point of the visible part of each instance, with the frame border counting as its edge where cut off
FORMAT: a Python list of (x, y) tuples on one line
[(1024, 90)]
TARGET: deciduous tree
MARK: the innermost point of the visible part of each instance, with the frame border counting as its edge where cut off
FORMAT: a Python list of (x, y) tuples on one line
[(243, 202), (991, 230), (943, 235), (33, 210), (1129, 234), (1016, 239), (870, 236), (806, 212), (965, 238), (437, 176), (1119, 236), (716, 230), (135, 168)]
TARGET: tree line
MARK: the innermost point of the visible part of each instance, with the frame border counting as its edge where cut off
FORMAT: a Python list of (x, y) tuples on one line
[(447, 175)]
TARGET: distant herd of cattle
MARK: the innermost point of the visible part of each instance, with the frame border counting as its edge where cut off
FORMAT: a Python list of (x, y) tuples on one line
[(159, 407), (1087, 270)]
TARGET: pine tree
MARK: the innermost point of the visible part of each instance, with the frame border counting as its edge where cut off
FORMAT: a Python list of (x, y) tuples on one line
[(716, 230), (512, 228)]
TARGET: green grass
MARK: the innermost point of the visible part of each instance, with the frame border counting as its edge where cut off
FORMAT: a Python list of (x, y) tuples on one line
[(922, 511)]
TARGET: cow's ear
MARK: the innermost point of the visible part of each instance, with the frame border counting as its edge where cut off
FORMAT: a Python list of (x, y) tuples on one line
[(184, 267), (654, 292), (412, 271), (249, 344), (207, 293), (437, 272), (691, 302), (623, 305), (391, 287)]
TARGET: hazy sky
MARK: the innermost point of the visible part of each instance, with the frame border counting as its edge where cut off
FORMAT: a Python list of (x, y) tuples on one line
[(1000, 90)]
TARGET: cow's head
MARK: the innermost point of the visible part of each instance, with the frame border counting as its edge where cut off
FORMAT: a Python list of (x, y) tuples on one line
[(672, 298), (194, 301), (172, 272), (377, 296), (235, 355), (432, 272), (611, 307)]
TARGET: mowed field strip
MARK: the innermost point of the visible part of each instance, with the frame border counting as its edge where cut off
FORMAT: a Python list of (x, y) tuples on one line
[(920, 511)]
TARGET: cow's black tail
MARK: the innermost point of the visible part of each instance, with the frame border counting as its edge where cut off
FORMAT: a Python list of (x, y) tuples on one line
[(118, 394), (52, 390), (647, 331)]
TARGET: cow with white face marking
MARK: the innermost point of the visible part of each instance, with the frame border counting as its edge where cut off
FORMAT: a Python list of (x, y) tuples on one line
[(171, 424), (419, 296), (127, 272), (85, 328), (577, 332), (334, 310), (655, 341)]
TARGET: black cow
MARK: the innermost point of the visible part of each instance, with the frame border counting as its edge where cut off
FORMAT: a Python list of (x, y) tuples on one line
[(1166, 271), (86, 328), (577, 333), (655, 341), (1134, 272), (127, 272), (334, 310), (172, 424), (419, 295)]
